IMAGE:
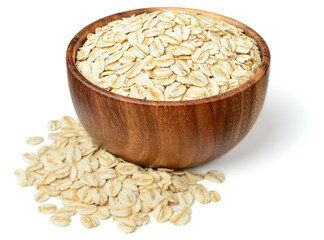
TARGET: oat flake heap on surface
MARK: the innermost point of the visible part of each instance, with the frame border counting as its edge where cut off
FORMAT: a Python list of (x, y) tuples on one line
[(168, 56), (96, 184)]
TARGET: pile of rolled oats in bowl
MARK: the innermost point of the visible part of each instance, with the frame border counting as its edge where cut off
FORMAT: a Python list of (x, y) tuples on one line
[(168, 56), (97, 185)]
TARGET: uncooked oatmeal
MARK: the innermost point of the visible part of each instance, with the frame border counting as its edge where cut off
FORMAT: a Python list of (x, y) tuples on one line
[(97, 185), (168, 56)]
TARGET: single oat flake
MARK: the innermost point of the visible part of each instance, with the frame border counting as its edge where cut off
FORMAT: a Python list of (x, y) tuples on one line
[(34, 140), (98, 185), (167, 56), (47, 208)]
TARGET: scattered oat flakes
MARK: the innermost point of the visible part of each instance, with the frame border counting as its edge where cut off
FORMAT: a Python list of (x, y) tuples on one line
[(96, 184)]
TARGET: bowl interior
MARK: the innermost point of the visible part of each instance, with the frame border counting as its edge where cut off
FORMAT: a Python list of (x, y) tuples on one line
[(81, 36)]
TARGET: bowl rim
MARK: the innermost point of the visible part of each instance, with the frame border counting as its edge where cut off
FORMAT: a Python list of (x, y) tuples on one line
[(263, 47)]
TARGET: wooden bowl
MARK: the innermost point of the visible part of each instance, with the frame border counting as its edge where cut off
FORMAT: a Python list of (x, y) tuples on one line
[(179, 134)]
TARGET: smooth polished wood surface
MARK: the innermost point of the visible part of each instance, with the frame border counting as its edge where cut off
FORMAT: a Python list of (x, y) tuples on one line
[(167, 134)]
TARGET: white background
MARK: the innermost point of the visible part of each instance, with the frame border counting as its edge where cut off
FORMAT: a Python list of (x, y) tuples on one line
[(274, 187)]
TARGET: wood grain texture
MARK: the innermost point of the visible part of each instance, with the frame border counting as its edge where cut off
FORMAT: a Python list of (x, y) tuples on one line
[(177, 135)]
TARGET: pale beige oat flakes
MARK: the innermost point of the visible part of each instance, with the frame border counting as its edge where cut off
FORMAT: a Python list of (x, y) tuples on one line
[(35, 140), (181, 216), (89, 221), (60, 220), (96, 184), (66, 211), (168, 56), (215, 176), (47, 208)]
